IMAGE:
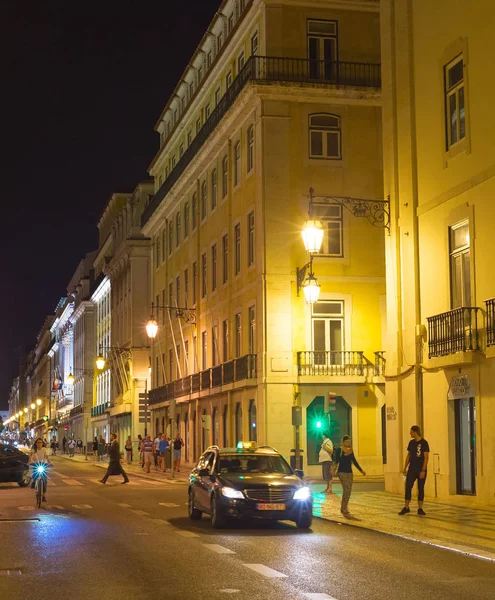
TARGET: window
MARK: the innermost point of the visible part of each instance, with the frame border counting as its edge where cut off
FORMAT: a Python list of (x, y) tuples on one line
[(250, 149), (322, 49), (194, 210), (164, 243), (331, 218), (231, 23), (214, 186), (219, 41), (217, 96), (460, 265), (254, 44), (209, 59), (158, 251), (214, 345), (324, 136), (160, 181), (238, 329), (328, 331), (164, 303), (225, 340), (252, 330), (198, 126), (225, 175), (237, 163), (213, 267), (200, 75), (181, 150), (194, 281), (171, 364), (173, 161), (177, 229), (204, 350), (203, 275), (171, 294), (177, 290), (225, 258), (186, 219), (177, 355), (228, 80), (250, 224), (204, 199), (189, 138), (166, 172), (170, 237), (240, 62), (186, 357), (157, 371), (186, 287), (252, 421), (237, 249), (454, 101), (207, 111)]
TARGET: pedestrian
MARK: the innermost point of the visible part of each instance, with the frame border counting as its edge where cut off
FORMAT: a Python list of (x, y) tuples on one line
[(128, 450), (418, 453), (53, 446), (72, 447), (140, 450), (178, 444), (114, 466), (79, 445), (45, 443), (95, 448), (344, 459), (163, 448), (148, 450), (156, 441), (325, 459), (64, 445)]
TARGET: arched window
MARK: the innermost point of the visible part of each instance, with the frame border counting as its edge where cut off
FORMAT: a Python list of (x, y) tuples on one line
[(325, 137)]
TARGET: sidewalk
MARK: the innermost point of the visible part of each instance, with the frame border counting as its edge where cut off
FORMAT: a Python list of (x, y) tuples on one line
[(446, 525)]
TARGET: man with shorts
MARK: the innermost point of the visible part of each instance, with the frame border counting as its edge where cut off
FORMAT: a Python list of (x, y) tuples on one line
[(148, 448)]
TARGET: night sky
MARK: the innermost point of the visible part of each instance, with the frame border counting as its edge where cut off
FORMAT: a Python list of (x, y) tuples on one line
[(83, 84)]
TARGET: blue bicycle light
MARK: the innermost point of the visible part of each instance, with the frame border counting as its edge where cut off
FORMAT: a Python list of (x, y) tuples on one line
[(40, 468)]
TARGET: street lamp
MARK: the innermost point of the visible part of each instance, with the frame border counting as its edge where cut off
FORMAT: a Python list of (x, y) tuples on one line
[(39, 402), (100, 362), (152, 327), (312, 235), (33, 405), (185, 313), (70, 378), (311, 288)]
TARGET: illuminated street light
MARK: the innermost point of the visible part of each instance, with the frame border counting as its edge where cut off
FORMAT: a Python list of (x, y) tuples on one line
[(312, 235), (25, 409), (100, 362), (152, 328), (33, 405), (39, 402), (311, 289), (71, 379)]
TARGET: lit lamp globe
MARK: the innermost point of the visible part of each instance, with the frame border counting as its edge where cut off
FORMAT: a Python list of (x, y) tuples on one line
[(70, 378), (25, 410), (33, 405), (311, 289), (152, 328), (312, 235), (38, 402), (100, 362)]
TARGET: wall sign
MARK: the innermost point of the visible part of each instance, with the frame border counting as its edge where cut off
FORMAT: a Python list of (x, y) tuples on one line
[(460, 387)]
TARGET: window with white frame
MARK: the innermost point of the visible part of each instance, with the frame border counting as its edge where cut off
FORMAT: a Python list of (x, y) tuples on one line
[(177, 290), (240, 62), (218, 95), (455, 109), (198, 126), (189, 138), (327, 329), (186, 287), (322, 48), (252, 330), (194, 210), (238, 331), (231, 23), (325, 136), (225, 258), (219, 41), (213, 267), (214, 346), (203, 275), (186, 219), (170, 237), (250, 149), (204, 199), (331, 217), (207, 111), (237, 249), (177, 229), (254, 44), (250, 224), (225, 340), (214, 189), (204, 350), (181, 150), (225, 176), (460, 265), (237, 163), (194, 281), (228, 80)]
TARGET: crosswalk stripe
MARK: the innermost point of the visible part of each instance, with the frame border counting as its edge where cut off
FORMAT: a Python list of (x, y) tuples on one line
[(55, 506), (218, 549), (139, 512), (319, 597), (124, 505), (263, 570), (26, 508), (82, 506), (168, 504), (71, 482), (187, 534)]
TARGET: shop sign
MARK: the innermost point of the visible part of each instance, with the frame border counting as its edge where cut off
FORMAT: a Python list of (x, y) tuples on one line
[(66, 427), (460, 387)]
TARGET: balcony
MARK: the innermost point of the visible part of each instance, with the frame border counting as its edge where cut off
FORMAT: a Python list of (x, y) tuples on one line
[(333, 364), (77, 410), (453, 331), (239, 369), (490, 322), (380, 363), (97, 411), (271, 70)]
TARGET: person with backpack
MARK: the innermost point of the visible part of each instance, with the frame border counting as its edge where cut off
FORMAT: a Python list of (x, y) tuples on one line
[(325, 459), (344, 459)]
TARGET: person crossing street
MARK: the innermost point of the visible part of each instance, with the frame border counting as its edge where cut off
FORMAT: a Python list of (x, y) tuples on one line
[(114, 466)]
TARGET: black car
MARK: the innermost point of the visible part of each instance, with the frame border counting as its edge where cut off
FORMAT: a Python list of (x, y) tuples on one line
[(248, 482), (14, 465)]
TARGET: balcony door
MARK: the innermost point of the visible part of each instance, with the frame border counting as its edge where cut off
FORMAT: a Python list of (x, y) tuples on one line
[(328, 332), (322, 49), (465, 440)]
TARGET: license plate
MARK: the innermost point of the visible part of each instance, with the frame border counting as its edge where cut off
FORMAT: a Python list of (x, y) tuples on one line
[(270, 507)]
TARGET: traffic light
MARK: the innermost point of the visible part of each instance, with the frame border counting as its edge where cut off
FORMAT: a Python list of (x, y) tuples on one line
[(318, 424)]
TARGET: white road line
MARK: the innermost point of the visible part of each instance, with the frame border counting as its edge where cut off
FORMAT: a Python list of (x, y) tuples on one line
[(152, 481), (55, 506), (229, 591), (26, 508), (187, 534), (319, 597), (168, 504), (124, 505), (266, 571), (139, 512), (60, 475), (72, 482), (218, 549), (161, 522), (82, 506)]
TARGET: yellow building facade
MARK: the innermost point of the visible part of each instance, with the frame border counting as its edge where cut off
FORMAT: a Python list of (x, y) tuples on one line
[(279, 98), (439, 171)]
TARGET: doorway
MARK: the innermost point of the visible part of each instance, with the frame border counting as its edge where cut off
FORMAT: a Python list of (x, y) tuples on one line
[(465, 445)]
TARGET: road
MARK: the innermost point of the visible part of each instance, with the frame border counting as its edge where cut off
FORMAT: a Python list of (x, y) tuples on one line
[(118, 541)]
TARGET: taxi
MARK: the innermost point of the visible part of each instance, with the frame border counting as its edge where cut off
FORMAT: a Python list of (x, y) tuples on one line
[(248, 482)]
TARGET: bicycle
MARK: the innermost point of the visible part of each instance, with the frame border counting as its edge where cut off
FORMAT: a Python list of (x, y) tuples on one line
[(39, 472)]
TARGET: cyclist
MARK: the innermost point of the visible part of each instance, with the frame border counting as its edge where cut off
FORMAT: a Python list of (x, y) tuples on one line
[(39, 455)]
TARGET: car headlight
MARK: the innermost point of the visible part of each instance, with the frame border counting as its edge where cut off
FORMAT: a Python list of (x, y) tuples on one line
[(229, 492), (303, 493)]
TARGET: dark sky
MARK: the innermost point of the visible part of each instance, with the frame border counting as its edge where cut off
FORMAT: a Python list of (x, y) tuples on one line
[(82, 85)]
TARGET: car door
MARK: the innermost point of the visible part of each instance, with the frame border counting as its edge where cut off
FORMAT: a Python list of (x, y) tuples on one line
[(204, 483), (3, 463)]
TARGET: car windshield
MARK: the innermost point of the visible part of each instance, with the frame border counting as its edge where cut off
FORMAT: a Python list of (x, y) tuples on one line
[(252, 463)]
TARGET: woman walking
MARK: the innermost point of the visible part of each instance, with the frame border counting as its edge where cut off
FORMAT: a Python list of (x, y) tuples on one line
[(325, 459), (128, 450), (95, 448), (163, 447), (344, 459)]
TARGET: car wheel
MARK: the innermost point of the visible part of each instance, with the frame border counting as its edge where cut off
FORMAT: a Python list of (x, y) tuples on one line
[(25, 480), (194, 513), (304, 521), (218, 519)]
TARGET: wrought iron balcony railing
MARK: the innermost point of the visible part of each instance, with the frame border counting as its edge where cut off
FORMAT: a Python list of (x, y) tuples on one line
[(490, 322), (348, 362), (380, 363), (270, 70), (99, 410), (453, 331), (238, 369), (77, 410)]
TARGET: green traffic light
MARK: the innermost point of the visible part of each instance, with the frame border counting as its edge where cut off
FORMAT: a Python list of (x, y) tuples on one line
[(318, 424)]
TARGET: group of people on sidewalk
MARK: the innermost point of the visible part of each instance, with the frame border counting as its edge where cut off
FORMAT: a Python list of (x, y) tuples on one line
[(157, 452), (339, 462)]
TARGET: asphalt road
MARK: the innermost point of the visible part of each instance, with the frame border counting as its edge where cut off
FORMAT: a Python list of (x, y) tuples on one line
[(136, 541)]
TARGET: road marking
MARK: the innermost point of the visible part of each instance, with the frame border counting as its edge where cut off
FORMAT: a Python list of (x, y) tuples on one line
[(60, 475), (26, 507), (139, 512), (229, 591), (82, 506), (152, 481), (161, 522), (71, 482), (319, 597), (10, 572), (266, 571), (218, 549), (187, 534), (124, 505), (55, 506), (132, 482), (168, 504)]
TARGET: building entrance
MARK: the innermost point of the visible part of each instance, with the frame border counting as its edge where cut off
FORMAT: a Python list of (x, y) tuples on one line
[(465, 440), (336, 424)]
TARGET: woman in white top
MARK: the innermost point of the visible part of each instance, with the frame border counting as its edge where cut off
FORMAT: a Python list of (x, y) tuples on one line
[(40, 455)]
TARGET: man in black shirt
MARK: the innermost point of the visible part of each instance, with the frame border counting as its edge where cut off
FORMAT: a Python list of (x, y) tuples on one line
[(416, 465)]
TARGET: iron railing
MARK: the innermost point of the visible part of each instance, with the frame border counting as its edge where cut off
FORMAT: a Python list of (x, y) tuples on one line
[(238, 369), (77, 410), (99, 410), (268, 69), (380, 363), (490, 322), (453, 331), (348, 362)]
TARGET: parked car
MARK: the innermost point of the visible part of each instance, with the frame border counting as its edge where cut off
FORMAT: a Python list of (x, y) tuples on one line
[(14, 465)]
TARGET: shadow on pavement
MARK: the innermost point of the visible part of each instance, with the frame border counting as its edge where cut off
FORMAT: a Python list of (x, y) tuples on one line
[(247, 528)]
